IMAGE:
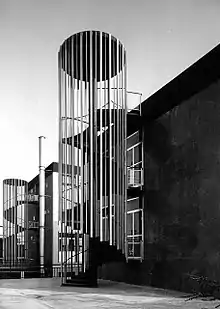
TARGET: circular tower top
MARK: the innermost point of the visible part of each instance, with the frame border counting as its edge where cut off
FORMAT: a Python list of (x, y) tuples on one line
[(15, 182), (92, 55)]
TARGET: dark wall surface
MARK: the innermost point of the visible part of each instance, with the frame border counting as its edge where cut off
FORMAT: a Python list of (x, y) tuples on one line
[(33, 234), (1, 249), (182, 196), (182, 190), (48, 244)]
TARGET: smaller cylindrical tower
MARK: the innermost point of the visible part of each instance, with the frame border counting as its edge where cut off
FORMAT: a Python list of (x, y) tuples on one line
[(15, 221)]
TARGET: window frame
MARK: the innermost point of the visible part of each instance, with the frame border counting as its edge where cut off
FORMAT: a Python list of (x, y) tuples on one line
[(131, 237)]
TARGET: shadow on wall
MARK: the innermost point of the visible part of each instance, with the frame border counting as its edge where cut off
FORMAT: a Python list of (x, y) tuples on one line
[(182, 158), (171, 207)]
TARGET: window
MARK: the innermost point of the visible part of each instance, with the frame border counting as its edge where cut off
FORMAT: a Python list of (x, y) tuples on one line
[(134, 155), (133, 139), (134, 163), (71, 245), (135, 234), (21, 251), (133, 203), (69, 217)]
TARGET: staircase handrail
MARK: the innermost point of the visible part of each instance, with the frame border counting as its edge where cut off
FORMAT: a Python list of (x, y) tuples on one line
[(77, 254)]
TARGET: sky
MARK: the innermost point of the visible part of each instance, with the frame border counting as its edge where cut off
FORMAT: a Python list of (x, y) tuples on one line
[(162, 38)]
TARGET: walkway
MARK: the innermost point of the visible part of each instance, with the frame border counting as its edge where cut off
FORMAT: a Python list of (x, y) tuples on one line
[(47, 293)]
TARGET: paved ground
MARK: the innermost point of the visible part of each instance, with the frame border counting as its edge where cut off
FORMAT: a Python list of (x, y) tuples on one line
[(47, 293)]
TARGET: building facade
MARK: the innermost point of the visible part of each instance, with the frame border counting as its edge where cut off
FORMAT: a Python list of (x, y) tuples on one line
[(180, 136), (51, 219)]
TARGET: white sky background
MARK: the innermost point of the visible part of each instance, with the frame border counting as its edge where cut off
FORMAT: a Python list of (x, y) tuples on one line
[(162, 38)]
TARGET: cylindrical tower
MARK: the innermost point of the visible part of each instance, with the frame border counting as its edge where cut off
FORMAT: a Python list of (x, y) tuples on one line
[(92, 131), (15, 229)]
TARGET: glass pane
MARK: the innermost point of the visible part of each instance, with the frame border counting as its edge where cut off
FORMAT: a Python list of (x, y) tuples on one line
[(71, 245), (129, 224), (137, 154), (133, 204), (137, 223), (134, 139), (77, 213), (137, 249), (69, 217), (76, 225), (63, 216), (20, 251), (130, 157)]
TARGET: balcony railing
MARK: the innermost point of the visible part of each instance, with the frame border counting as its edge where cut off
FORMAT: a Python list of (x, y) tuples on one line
[(135, 177), (134, 248)]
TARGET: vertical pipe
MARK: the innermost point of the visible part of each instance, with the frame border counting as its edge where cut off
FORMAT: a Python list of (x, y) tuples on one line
[(118, 150), (91, 184), (120, 142), (105, 205), (3, 220), (65, 165), (41, 204), (122, 148), (110, 141), (14, 222), (14, 205), (26, 226), (101, 145), (60, 166), (72, 143), (125, 149), (113, 147), (96, 221), (81, 139), (87, 139), (77, 109)]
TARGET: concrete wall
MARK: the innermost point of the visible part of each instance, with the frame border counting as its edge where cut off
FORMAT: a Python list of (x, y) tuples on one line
[(182, 157), (48, 239), (55, 253), (182, 196)]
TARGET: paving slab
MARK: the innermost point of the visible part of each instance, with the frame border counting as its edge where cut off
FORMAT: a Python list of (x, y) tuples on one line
[(47, 293)]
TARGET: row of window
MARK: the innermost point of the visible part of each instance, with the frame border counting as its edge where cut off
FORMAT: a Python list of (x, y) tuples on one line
[(134, 221)]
